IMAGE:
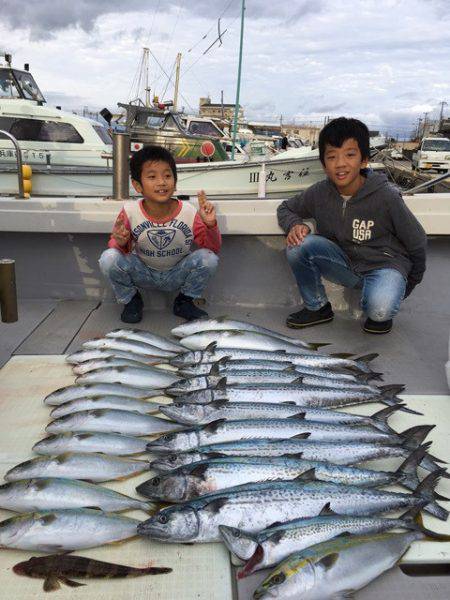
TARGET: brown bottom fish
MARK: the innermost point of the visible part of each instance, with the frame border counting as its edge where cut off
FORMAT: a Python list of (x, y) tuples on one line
[(58, 568)]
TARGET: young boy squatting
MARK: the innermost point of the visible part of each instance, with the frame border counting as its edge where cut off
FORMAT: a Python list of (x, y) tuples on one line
[(150, 245), (366, 236)]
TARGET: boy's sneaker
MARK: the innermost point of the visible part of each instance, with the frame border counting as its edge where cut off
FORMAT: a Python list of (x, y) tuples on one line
[(184, 306), (377, 326), (132, 312), (307, 318)]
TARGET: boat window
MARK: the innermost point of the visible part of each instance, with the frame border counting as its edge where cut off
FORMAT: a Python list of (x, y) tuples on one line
[(103, 134), (8, 87), (155, 121), (29, 86), (203, 128), (438, 145), (34, 130)]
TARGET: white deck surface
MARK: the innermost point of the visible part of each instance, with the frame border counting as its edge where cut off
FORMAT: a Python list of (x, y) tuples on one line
[(200, 572)]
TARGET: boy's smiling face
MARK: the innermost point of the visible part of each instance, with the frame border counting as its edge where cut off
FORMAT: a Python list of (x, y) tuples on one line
[(157, 182), (343, 165)]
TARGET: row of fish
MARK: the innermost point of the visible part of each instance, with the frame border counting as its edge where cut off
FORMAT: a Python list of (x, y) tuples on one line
[(265, 453)]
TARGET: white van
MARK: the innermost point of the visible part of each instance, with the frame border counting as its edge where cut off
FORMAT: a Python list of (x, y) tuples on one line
[(434, 153)]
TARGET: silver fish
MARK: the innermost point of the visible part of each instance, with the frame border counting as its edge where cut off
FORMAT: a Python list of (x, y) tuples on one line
[(336, 568), (87, 356), (258, 505), (28, 495), (92, 467), (107, 443), (127, 346), (65, 530), (72, 392), (222, 323), (147, 378), (240, 339), (109, 420), (106, 363), (146, 337), (116, 402), (222, 431)]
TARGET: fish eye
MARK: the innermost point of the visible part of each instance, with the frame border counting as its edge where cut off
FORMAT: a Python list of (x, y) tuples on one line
[(162, 519), (237, 533), (167, 437), (156, 480), (277, 579), (172, 458), (178, 404)]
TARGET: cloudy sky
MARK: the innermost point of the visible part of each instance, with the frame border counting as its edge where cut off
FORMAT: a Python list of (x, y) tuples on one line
[(384, 61)]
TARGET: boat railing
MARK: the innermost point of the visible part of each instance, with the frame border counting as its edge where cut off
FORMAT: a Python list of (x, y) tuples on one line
[(121, 166), (428, 184), (6, 134)]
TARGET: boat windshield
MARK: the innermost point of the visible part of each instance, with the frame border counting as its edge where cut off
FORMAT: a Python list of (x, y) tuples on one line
[(19, 84), (204, 128), (438, 145)]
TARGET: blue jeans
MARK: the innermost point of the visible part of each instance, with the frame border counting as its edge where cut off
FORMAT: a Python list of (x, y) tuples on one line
[(382, 289), (127, 272)]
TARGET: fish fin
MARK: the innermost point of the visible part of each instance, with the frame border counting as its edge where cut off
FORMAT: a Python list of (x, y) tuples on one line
[(219, 403), (291, 402), (92, 507), (215, 505), (51, 584), (327, 511), (276, 537), (275, 524), (367, 357), (70, 582), (383, 415), (223, 361), (289, 369), (412, 515), (343, 595), (414, 436), (295, 455), (393, 389), (48, 520), (309, 475), (214, 425), (344, 534), (199, 470), (300, 415), (215, 370), (301, 436), (216, 455), (210, 347), (344, 355), (408, 469), (298, 380), (426, 487), (328, 560), (222, 384), (317, 345), (62, 458), (83, 436)]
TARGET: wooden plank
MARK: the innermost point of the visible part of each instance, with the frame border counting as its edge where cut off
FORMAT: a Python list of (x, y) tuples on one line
[(57, 331), (31, 313), (200, 572)]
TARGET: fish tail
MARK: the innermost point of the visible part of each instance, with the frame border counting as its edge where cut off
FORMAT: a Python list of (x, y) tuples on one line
[(154, 570), (408, 469), (425, 491), (383, 415), (414, 436), (431, 535)]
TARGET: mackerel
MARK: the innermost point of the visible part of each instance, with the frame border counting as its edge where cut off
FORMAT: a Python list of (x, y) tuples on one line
[(88, 390), (127, 346), (141, 377), (56, 493), (88, 355), (72, 465), (222, 323), (107, 443), (65, 530), (242, 339), (116, 402), (106, 363), (146, 337), (255, 506), (108, 420)]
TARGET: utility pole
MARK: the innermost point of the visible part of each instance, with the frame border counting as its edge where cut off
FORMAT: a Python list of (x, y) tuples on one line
[(221, 104), (441, 115), (177, 82), (425, 123), (236, 107)]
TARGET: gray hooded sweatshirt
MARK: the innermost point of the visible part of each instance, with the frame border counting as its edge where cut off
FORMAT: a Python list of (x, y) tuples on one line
[(374, 227)]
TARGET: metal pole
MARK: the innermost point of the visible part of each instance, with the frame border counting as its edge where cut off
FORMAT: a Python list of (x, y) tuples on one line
[(121, 166), (177, 82), (18, 158), (8, 293), (145, 67), (236, 108)]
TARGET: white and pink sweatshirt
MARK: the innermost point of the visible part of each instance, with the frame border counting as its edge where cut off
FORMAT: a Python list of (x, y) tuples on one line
[(161, 245)]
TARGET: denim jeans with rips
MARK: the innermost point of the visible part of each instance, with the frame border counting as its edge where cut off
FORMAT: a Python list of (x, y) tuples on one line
[(382, 289), (127, 273)]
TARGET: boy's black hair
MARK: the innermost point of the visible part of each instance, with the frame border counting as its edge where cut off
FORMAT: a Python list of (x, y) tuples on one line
[(337, 131), (152, 154)]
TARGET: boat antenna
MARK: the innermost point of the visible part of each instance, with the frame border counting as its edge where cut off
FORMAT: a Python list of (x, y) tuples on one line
[(145, 69), (236, 106), (177, 82)]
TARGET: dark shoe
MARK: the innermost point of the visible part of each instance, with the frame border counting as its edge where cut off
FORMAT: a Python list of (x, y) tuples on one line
[(377, 326), (307, 318), (132, 312), (184, 306)]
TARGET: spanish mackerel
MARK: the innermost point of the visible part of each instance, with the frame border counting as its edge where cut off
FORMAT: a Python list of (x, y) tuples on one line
[(65, 530), (108, 420), (222, 431), (146, 337), (255, 506), (45, 494), (334, 569), (127, 346), (107, 443), (311, 359), (222, 323), (146, 377), (242, 339), (206, 476), (73, 465), (98, 354), (89, 390), (116, 402)]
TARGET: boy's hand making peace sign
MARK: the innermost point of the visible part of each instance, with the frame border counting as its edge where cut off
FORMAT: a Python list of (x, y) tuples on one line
[(120, 232), (206, 210)]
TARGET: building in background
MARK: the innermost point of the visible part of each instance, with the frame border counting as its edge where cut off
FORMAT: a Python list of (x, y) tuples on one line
[(218, 111)]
